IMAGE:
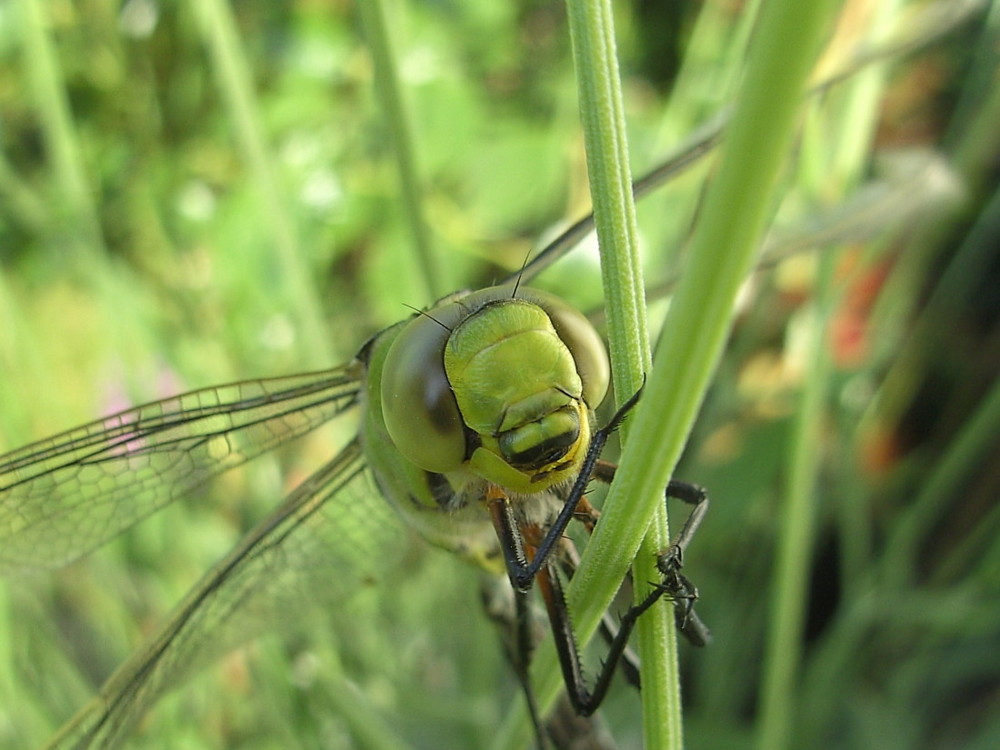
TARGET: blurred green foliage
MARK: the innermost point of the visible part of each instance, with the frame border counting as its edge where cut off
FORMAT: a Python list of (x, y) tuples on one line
[(146, 248)]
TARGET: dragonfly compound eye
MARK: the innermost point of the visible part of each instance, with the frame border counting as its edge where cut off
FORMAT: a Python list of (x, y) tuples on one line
[(418, 405)]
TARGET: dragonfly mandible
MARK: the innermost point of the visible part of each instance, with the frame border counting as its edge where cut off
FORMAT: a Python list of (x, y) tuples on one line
[(479, 429)]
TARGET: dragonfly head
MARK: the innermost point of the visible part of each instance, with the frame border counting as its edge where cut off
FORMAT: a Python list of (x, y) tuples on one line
[(503, 386)]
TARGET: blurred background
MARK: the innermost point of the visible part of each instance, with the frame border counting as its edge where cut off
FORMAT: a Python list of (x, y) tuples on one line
[(194, 193)]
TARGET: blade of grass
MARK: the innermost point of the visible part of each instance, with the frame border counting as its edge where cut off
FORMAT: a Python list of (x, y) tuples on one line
[(965, 452), (397, 120), (834, 155), (603, 117), (80, 224), (795, 545), (230, 65)]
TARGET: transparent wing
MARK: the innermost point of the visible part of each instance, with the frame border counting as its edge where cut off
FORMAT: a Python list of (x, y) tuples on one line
[(64, 496), (330, 536)]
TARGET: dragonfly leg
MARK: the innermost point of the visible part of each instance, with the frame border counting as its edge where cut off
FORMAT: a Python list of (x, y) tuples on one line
[(520, 627), (674, 585), (520, 570), (583, 699), (512, 542), (543, 567), (588, 515), (586, 700), (521, 659), (679, 589)]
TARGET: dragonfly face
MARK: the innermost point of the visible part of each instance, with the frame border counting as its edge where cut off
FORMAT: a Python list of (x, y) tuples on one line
[(499, 385), (486, 388)]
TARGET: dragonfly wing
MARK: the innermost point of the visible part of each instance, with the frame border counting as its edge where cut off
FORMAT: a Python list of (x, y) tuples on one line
[(64, 496), (329, 537)]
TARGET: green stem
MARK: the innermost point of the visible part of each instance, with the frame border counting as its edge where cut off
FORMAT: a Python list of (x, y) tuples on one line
[(965, 452), (401, 135), (230, 65), (602, 111), (736, 207), (796, 538), (80, 223)]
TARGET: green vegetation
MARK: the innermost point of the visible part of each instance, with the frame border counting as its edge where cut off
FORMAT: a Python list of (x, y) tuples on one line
[(199, 192)]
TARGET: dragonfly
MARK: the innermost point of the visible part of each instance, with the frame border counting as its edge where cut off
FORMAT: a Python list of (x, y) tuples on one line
[(446, 470), (478, 431)]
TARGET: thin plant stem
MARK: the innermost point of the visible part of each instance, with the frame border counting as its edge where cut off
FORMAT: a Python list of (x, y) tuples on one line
[(84, 242), (401, 135), (233, 73), (603, 117), (795, 540)]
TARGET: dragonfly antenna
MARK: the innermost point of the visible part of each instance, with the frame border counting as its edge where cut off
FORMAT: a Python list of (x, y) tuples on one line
[(520, 273), (427, 315)]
